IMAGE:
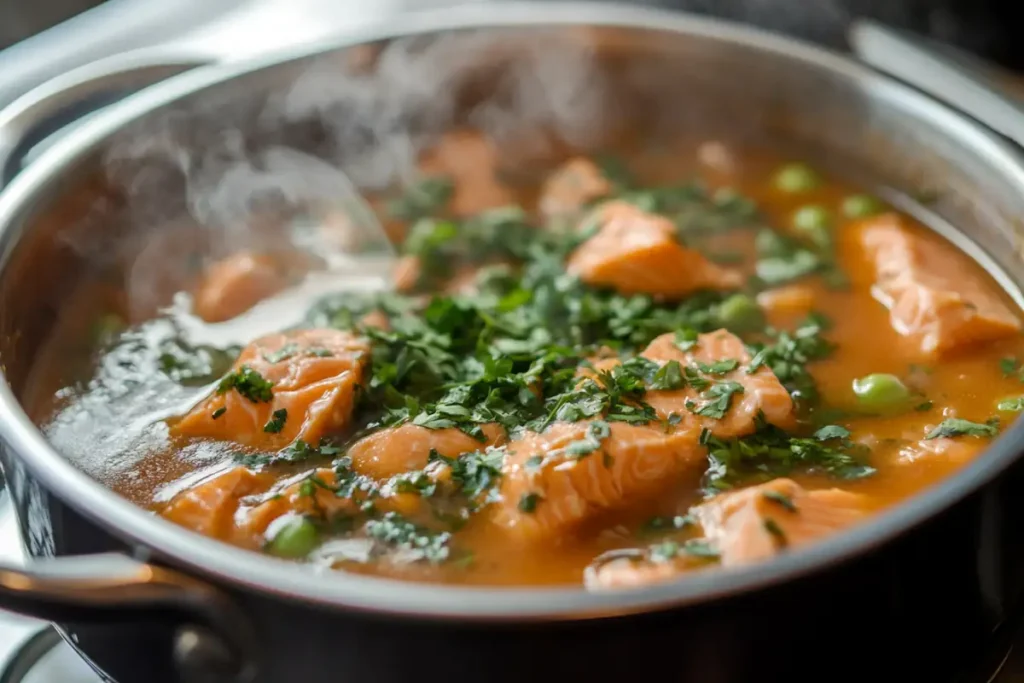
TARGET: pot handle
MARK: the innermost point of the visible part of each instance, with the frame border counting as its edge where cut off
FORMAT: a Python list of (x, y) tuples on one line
[(45, 110), (214, 644)]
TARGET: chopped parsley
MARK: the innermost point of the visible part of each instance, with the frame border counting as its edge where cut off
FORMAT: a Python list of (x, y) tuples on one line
[(956, 427), (249, 384), (422, 199), (773, 528), (1015, 405), (528, 502), (597, 432), (399, 533), (276, 422), (718, 400), (780, 498), (770, 452)]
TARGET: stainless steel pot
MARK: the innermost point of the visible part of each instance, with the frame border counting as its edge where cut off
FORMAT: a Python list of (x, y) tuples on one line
[(143, 598)]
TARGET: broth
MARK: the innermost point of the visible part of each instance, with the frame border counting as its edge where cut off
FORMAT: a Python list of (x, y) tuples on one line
[(847, 358)]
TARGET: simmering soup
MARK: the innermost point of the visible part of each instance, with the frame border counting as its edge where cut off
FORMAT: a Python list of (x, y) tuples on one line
[(632, 370)]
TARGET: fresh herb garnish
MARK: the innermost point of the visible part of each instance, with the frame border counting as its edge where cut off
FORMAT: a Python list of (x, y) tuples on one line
[(956, 427), (771, 452), (276, 422), (249, 384), (1015, 405), (597, 432), (395, 531), (528, 502), (780, 498)]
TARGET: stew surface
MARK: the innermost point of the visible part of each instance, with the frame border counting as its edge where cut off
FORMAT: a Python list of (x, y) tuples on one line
[(617, 375)]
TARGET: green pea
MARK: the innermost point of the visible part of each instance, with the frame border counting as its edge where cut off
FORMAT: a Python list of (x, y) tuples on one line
[(812, 217), (296, 538), (740, 313), (881, 392), (815, 222), (796, 177), (861, 206)]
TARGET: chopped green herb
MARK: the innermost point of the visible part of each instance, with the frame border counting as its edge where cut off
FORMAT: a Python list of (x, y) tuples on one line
[(1014, 405), (528, 502), (422, 199), (217, 413), (956, 427), (420, 543), (772, 527), (597, 432), (283, 353), (668, 377), (249, 384), (782, 499), (718, 399), (276, 423)]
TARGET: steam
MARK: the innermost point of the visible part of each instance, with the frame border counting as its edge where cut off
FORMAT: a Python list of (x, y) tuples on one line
[(228, 168)]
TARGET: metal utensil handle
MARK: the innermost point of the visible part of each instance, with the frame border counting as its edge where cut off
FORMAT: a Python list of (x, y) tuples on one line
[(958, 83), (59, 102), (214, 642)]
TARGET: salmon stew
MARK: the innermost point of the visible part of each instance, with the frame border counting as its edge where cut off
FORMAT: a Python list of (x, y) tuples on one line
[(613, 373)]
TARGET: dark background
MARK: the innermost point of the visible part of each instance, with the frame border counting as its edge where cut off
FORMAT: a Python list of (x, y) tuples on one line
[(992, 28)]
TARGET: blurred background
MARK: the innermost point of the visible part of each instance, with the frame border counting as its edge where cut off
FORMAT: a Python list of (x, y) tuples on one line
[(986, 27)]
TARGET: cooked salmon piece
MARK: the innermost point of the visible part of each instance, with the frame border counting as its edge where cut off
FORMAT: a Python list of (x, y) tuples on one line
[(471, 161), (209, 507), (935, 299), (395, 450), (635, 252), (574, 185), (755, 523), (631, 464), (762, 392), (284, 387), (293, 496), (235, 284)]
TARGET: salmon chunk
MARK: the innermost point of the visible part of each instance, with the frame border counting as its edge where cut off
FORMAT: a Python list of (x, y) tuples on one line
[(283, 387), (235, 284), (550, 486), (292, 496), (635, 252), (935, 300), (569, 189), (755, 523), (210, 506), (471, 161), (758, 392), (392, 451)]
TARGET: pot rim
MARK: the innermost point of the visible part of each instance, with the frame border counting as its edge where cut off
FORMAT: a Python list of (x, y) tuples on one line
[(236, 567)]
